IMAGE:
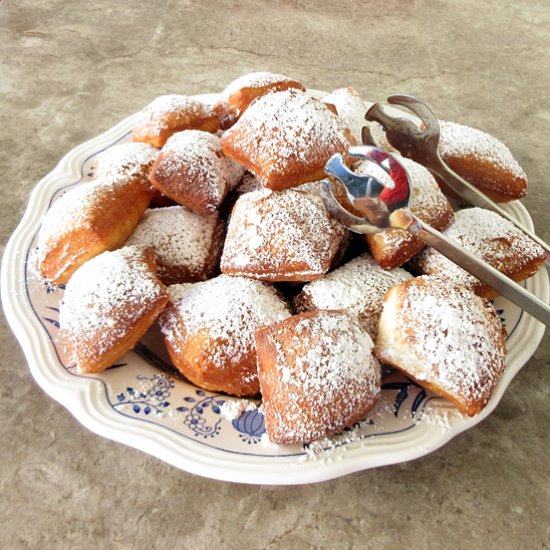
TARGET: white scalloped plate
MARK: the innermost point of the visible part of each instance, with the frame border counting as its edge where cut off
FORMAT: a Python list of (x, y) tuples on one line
[(151, 409)]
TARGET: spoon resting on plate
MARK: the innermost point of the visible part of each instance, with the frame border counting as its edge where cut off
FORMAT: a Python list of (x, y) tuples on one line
[(370, 204)]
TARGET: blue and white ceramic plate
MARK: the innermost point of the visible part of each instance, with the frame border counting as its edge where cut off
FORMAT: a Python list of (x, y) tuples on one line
[(141, 402)]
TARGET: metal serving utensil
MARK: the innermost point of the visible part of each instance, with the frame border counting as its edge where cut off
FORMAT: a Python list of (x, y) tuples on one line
[(421, 145), (365, 204)]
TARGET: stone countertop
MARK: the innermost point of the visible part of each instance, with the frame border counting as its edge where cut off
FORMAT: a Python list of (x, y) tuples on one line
[(70, 70)]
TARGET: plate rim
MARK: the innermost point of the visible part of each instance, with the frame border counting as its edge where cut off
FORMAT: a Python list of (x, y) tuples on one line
[(86, 401)]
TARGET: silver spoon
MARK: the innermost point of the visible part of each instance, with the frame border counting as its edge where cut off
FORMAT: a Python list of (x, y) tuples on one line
[(372, 206), (421, 145)]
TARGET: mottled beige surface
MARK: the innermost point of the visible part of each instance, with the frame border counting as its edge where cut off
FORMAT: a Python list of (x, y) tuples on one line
[(70, 70)]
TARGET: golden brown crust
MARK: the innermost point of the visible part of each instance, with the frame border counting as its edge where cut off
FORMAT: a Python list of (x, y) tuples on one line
[(208, 329), (493, 239), (446, 338), (482, 160), (130, 296), (192, 170), (286, 138), (98, 216), (170, 114), (236, 100), (280, 236), (317, 375)]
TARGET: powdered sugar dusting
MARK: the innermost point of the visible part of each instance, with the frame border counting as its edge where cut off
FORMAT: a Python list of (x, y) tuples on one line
[(75, 209), (350, 109), (324, 375), (106, 296), (274, 234), (282, 130), (229, 308), (125, 159), (445, 335), (180, 239), (488, 236), (155, 116), (197, 156), (358, 286), (258, 79), (461, 141)]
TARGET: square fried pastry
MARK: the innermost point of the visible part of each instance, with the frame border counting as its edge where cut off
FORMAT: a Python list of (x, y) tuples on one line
[(286, 138), (349, 108), (126, 159), (317, 375), (240, 93), (280, 236), (108, 305), (493, 239), (168, 114), (192, 170), (187, 245), (358, 287), (88, 220), (483, 160), (393, 247), (446, 338), (209, 327)]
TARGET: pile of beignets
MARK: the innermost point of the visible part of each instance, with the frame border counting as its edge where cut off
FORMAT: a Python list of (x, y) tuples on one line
[(209, 222)]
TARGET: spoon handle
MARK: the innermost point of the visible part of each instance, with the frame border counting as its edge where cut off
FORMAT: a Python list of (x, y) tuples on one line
[(475, 197), (482, 270)]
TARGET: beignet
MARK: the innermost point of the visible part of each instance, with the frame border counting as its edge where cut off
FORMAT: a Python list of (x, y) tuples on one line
[(357, 287), (96, 216), (393, 247), (168, 114), (446, 338), (192, 170), (350, 109), (280, 236), (187, 245), (317, 375), (482, 160), (238, 95), (491, 238), (125, 159), (108, 305), (285, 139), (208, 329)]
